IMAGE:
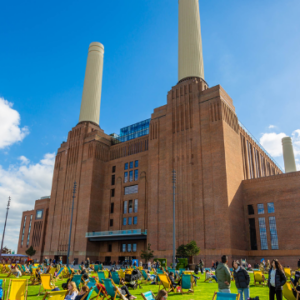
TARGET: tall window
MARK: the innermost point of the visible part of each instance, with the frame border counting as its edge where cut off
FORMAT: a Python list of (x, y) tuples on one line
[(263, 233), (250, 210), (130, 221), (250, 161), (130, 175), (252, 228), (113, 179), (136, 175), (271, 208), (260, 209), (126, 166), (273, 233), (124, 248), (125, 177), (125, 208), (39, 214), (112, 206), (114, 169), (29, 229), (111, 222), (130, 207), (136, 164), (131, 165), (133, 247), (136, 205), (134, 220), (23, 231), (129, 247), (124, 221), (112, 192)]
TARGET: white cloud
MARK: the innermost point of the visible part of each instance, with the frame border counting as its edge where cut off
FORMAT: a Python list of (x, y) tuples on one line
[(272, 143), (10, 125), (25, 183), (272, 126)]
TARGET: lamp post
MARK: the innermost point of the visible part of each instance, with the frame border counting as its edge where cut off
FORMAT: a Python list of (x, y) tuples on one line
[(174, 242), (7, 208), (74, 192)]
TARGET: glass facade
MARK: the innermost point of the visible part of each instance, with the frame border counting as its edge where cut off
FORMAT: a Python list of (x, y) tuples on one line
[(134, 220), (125, 177), (273, 233), (271, 208), (133, 189), (130, 176), (136, 175), (136, 164), (263, 233), (136, 205), (260, 209)]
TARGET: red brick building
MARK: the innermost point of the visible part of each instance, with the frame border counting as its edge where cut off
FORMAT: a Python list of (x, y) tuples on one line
[(231, 197)]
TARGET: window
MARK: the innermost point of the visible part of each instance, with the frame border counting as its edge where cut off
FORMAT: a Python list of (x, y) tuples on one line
[(112, 206), (112, 192), (271, 208), (109, 248), (39, 214), (126, 166), (133, 189), (260, 209), (29, 229), (136, 164), (129, 247), (111, 222), (124, 248), (113, 179), (273, 233), (130, 221), (136, 205), (130, 207), (133, 247), (125, 208), (253, 240), (114, 169), (250, 210), (263, 233), (124, 221), (130, 175), (134, 220), (125, 177), (23, 231), (131, 165), (136, 175)]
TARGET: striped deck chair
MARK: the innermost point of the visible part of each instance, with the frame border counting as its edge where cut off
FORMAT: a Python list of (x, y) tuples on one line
[(101, 276), (166, 283), (186, 283), (112, 291), (225, 296), (46, 284), (17, 289), (148, 296), (2, 285), (258, 277), (59, 295)]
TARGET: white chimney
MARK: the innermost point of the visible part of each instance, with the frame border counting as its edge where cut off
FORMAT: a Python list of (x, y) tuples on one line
[(288, 155)]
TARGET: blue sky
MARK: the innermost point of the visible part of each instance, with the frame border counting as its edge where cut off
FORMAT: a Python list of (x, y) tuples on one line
[(251, 48)]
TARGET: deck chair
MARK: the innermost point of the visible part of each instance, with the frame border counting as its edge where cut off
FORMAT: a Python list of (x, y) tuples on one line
[(2, 285), (287, 292), (59, 295), (287, 272), (46, 283), (115, 277), (101, 276), (77, 279), (181, 271), (148, 296), (59, 272), (23, 270), (225, 296), (17, 289), (96, 268), (258, 277), (91, 283), (111, 290), (187, 284), (166, 283), (159, 272), (145, 276), (122, 274)]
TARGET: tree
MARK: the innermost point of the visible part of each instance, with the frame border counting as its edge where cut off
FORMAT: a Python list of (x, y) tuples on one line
[(30, 251), (147, 254), (188, 250), (181, 251), (5, 250)]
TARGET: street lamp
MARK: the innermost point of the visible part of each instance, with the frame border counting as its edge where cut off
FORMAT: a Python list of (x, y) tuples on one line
[(7, 208), (174, 223)]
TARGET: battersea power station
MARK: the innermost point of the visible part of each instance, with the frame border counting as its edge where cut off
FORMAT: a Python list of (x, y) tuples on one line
[(231, 197)]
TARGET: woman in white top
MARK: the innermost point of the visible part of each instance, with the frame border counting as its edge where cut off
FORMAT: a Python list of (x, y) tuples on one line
[(276, 280), (72, 291)]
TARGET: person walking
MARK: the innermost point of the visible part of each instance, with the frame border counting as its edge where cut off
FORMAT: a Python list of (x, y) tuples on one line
[(276, 280), (201, 265), (223, 275), (242, 280)]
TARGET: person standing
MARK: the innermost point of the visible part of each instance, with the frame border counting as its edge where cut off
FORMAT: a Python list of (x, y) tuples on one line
[(201, 265), (223, 275), (242, 280), (276, 280)]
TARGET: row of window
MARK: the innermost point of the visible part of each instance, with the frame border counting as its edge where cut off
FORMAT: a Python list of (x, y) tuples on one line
[(136, 176), (261, 209), (135, 220), (127, 248), (136, 165)]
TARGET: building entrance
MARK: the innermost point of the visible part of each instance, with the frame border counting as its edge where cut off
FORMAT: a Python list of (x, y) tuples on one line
[(126, 260)]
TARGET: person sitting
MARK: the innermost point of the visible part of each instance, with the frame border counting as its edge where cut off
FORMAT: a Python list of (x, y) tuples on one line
[(83, 270), (15, 271), (161, 295), (72, 291), (83, 291), (209, 276), (174, 284)]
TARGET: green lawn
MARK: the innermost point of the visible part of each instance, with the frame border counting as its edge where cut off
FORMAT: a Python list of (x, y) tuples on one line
[(202, 291)]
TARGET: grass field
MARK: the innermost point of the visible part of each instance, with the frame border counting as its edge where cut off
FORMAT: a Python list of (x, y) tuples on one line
[(203, 290)]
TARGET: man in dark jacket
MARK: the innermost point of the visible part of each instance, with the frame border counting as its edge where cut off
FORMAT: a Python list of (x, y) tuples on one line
[(223, 275), (242, 280)]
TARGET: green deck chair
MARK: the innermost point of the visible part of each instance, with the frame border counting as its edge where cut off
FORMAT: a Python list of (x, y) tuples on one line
[(186, 283), (2, 285), (111, 290), (115, 277), (96, 268), (145, 276), (148, 295), (225, 296), (91, 283), (77, 280), (101, 276)]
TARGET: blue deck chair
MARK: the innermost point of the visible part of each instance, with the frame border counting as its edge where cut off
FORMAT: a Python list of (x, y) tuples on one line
[(2, 288), (115, 277), (225, 296), (186, 284), (111, 290), (77, 280), (91, 283), (207, 269), (101, 276), (59, 272), (148, 295), (96, 268), (100, 267)]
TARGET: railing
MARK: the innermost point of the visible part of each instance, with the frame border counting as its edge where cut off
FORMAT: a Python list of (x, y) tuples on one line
[(116, 233), (261, 146)]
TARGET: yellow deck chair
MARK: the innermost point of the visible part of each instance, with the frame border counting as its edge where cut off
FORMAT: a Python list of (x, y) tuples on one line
[(46, 283), (287, 272), (59, 295), (122, 274), (166, 283), (258, 277), (287, 292), (17, 289)]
